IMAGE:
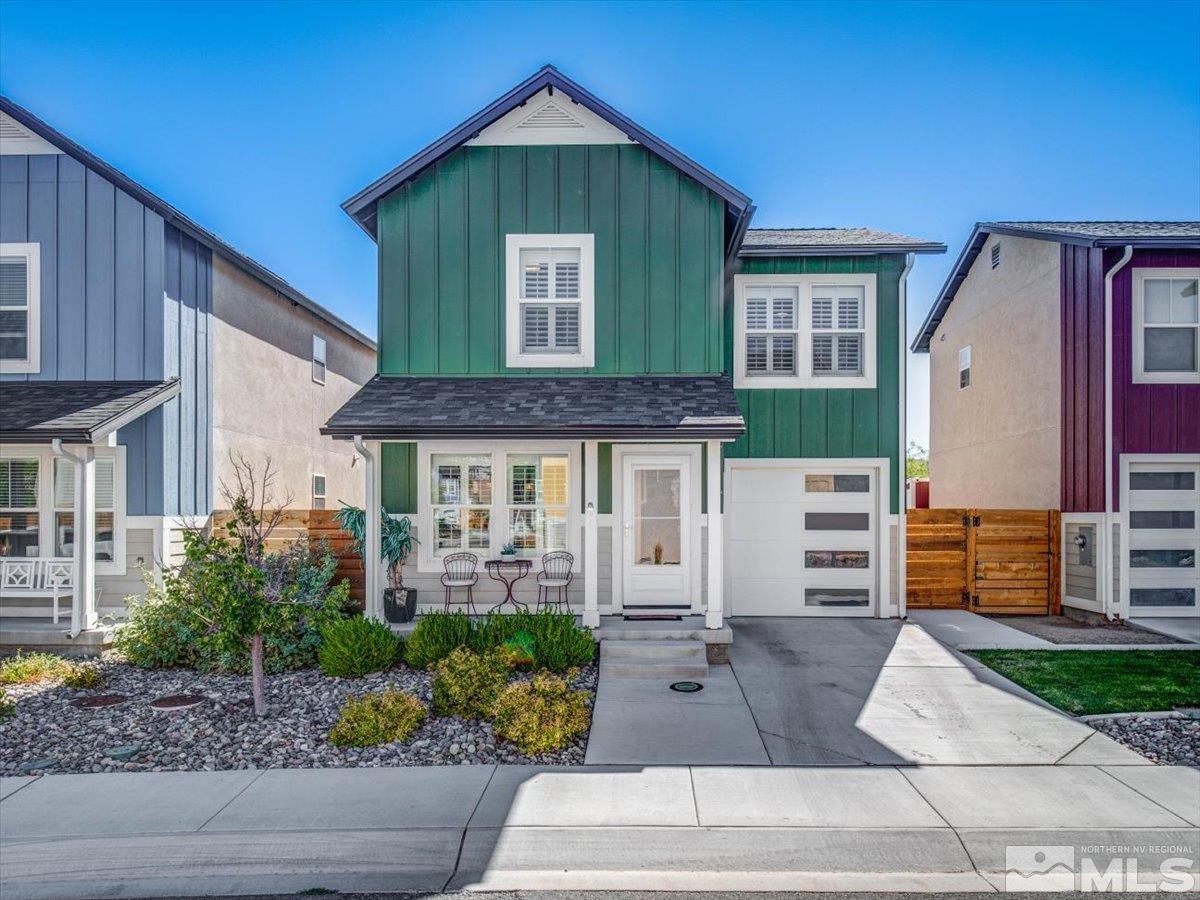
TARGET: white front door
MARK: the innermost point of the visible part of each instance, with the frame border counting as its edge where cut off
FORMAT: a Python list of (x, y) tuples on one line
[(657, 514)]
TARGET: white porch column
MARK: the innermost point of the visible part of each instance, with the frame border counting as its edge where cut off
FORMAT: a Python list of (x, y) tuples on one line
[(715, 616), (83, 606), (373, 538), (591, 542)]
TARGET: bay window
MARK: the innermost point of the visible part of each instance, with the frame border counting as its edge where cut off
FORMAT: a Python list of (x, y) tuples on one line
[(804, 331)]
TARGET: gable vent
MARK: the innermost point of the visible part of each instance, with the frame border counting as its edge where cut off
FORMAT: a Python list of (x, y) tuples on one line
[(551, 115), (16, 139), (12, 130)]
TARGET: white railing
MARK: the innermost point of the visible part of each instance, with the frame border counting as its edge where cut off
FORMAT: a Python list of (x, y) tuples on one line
[(52, 577)]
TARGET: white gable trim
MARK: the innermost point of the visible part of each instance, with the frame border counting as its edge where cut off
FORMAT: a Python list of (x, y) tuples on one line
[(547, 118), (17, 140)]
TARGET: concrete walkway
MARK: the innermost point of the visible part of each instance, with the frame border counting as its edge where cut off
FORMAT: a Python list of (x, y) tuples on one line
[(1185, 628), (429, 829)]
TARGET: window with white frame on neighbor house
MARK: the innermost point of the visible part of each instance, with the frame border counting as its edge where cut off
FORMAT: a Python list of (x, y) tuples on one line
[(1166, 315), (550, 300), (804, 331), (20, 300), (19, 507), (318, 359), (964, 367), (318, 492)]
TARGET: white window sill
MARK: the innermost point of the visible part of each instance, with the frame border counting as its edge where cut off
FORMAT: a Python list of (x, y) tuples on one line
[(801, 382), (28, 367), (1166, 377), (550, 361)]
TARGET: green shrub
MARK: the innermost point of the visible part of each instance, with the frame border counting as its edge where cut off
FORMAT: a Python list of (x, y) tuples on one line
[(465, 683), (7, 706), (34, 668), (518, 651), (542, 714), (352, 648), (435, 637), (166, 629), (378, 719), (560, 644), (83, 677)]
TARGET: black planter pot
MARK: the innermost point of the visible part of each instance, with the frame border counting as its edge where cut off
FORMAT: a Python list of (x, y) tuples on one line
[(399, 606)]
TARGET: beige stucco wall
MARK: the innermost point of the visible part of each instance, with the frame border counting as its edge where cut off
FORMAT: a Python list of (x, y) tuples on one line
[(996, 444), (265, 402)]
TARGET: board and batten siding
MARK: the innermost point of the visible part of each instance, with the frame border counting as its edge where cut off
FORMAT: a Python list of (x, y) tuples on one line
[(659, 239), (829, 422), (124, 296)]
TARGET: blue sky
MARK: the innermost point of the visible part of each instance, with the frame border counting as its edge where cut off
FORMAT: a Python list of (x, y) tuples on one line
[(259, 119)]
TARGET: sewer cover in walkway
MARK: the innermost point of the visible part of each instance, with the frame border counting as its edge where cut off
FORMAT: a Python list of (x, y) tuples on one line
[(687, 687), (99, 701), (177, 701)]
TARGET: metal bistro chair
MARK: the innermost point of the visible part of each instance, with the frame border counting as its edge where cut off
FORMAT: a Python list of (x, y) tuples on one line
[(460, 573), (555, 576)]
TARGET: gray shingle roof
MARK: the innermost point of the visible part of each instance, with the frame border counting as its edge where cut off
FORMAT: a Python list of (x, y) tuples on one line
[(1116, 231), (811, 241), (75, 411), (701, 406)]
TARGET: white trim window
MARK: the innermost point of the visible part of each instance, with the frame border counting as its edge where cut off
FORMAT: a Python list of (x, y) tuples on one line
[(550, 293), (1166, 326), (19, 507), (964, 367), (20, 308), (538, 501), (461, 501), (804, 331), (318, 359), (318, 491), (106, 509)]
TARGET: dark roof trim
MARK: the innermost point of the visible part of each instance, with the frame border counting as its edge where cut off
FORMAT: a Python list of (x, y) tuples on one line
[(979, 236), (361, 207), (173, 216), (841, 249), (120, 416), (605, 432)]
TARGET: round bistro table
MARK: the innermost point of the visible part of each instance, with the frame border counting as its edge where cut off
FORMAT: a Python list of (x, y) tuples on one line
[(508, 572)]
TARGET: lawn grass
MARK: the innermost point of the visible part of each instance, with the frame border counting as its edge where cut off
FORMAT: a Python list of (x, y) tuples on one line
[(1086, 682)]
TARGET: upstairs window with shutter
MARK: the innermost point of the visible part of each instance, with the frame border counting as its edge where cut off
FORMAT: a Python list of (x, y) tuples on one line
[(550, 293), (20, 299), (838, 330), (804, 331), (772, 331)]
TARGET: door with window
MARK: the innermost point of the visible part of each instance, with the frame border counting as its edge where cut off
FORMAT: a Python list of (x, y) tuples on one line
[(1163, 500), (657, 527)]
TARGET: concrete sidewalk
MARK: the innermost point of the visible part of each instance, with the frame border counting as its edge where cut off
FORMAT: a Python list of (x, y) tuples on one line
[(508, 827)]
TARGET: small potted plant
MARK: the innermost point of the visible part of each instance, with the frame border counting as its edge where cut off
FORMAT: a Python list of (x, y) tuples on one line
[(508, 553), (397, 540)]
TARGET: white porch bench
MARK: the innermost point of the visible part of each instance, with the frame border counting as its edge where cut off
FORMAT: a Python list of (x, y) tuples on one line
[(52, 577)]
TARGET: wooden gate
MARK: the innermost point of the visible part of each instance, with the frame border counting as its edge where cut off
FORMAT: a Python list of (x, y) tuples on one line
[(987, 560)]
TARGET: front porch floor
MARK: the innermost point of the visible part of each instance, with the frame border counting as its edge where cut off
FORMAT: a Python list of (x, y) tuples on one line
[(42, 634)]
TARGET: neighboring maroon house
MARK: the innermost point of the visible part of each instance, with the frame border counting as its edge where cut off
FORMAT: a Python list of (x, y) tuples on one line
[(1020, 414)]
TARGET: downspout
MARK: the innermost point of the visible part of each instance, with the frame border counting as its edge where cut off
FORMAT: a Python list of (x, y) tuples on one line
[(902, 521), (1110, 602), (371, 534)]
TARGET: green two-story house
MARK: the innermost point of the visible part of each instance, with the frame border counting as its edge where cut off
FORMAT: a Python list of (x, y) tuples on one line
[(584, 347)]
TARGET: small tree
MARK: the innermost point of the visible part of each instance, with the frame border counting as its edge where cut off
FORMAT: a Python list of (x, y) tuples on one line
[(236, 596), (917, 463), (396, 539)]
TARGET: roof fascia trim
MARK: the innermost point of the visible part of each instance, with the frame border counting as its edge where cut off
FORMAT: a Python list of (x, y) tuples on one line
[(841, 249)]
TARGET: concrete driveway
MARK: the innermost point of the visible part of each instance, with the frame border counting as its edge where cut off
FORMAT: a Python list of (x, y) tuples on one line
[(882, 692)]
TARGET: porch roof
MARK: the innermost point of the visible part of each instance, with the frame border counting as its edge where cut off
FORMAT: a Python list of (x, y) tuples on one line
[(634, 406), (76, 412)]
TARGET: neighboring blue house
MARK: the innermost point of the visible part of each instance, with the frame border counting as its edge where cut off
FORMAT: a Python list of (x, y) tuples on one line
[(122, 322)]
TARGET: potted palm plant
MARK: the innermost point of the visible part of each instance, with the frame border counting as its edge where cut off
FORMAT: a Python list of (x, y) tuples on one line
[(397, 541)]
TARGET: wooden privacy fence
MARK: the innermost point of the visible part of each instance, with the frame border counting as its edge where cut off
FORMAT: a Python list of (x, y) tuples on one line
[(314, 525), (987, 560)]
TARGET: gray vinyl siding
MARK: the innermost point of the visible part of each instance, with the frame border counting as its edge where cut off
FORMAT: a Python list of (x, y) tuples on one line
[(123, 296)]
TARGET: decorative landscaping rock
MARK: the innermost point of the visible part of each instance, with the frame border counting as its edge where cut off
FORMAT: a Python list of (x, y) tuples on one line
[(1167, 740), (99, 701), (223, 732), (122, 753), (177, 701)]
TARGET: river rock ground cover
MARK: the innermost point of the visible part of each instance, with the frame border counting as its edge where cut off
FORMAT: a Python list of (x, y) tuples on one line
[(48, 734)]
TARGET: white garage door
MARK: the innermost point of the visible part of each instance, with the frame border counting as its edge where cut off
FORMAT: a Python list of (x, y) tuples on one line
[(802, 539), (1164, 538)]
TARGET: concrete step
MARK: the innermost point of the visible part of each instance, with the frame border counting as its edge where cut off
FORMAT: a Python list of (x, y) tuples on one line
[(653, 659)]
